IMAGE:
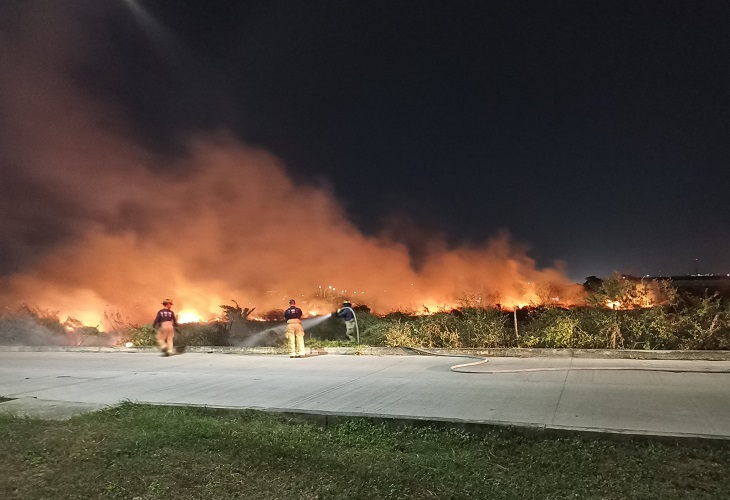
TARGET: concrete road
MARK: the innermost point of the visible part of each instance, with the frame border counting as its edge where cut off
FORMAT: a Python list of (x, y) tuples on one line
[(665, 398)]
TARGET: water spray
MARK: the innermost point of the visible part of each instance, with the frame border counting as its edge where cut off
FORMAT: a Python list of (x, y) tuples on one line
[(306, 323), (312, 322)]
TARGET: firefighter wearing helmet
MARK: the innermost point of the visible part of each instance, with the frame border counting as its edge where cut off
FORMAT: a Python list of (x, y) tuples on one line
[(165, 323), (294, 330), (348, 315)]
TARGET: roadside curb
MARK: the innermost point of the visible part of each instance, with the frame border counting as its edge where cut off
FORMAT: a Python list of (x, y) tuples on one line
[(477, 427), (404, 351), (65, 410), (584, 353)]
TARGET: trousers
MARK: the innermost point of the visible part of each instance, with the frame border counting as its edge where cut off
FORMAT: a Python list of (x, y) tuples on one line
[(350, 329), (165, 335), (295, 337)]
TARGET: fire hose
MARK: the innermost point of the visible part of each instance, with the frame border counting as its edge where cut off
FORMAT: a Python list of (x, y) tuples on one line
[(465, 367)]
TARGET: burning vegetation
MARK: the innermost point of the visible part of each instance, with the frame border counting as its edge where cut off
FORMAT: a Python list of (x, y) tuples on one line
[(650, 316)]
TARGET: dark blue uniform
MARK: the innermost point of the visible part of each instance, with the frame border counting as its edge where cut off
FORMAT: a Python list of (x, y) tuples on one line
[(164, 315), (293, 313), (346, 313), (349, 317)]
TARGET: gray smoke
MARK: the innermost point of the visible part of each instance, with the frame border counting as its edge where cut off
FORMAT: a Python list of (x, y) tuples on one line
[(92, 222)]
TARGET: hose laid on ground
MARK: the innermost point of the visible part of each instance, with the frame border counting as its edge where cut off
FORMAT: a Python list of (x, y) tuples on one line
[(424, 352), (456, 368), (459, 368)]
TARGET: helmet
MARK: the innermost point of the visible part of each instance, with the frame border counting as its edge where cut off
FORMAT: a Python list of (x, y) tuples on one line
[(167, 301), (292, 301), (346, 303)]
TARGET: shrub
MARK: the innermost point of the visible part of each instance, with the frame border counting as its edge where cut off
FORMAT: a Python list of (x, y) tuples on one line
[(401, 333), (201, 334), (561, 328), (618, 292), (46, 319), (484, 328), (91, 336), (32, 326), (561, 331), (601, 325), (703, 323), (439, 330), (372, 328), (141, 336), (651, 328)]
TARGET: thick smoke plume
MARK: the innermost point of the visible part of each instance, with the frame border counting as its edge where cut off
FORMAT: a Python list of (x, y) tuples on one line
[(93, 223)]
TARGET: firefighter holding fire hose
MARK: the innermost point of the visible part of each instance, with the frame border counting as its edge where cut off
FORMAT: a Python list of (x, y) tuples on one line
[(348, 315), (165, 323), (294, 330)]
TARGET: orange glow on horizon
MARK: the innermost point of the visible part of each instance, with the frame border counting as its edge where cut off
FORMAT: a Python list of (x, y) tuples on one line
[(202, 306)]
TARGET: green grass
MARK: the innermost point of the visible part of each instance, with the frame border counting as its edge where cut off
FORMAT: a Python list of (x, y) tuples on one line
[(315, 343), (150, 452)]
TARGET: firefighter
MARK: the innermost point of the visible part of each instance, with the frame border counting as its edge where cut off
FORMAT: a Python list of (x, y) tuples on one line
[(165, 323), (294, 330), (348, 315)]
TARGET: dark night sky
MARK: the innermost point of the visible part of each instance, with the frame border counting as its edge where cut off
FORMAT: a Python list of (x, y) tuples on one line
[(596, 133)]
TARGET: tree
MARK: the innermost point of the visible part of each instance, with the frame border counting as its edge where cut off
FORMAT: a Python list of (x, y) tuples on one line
[(592, 284), (236, 319), (627, 292)]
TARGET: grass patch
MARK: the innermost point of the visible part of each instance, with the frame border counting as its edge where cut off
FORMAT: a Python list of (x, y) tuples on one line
[(153, 452), (319, 343)]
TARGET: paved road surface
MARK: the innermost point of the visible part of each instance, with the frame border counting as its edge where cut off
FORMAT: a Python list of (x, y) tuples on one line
[(676, 398)]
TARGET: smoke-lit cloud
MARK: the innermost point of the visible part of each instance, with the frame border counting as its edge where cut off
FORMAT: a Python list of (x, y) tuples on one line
[(91, 221)]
